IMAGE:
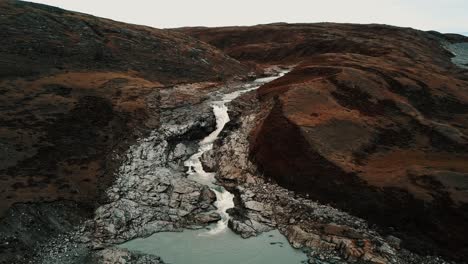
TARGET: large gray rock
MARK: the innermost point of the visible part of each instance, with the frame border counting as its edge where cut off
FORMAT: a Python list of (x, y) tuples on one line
[(152, 193), (209, 161)]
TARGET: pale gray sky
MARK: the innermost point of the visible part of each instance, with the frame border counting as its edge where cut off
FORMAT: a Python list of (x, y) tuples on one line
[(441, 15)]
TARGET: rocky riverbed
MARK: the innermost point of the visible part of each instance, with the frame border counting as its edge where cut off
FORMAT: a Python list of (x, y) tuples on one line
[(152, 192)]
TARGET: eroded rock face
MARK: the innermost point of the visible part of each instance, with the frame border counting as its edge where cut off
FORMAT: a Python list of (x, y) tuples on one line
[(373, 120)]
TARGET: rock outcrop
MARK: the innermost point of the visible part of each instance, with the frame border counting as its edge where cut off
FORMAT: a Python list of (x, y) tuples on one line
[(151, 192)]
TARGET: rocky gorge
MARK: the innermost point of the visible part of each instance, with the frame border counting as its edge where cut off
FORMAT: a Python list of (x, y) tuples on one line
[(356, 155), (151, 193), (154, 170)]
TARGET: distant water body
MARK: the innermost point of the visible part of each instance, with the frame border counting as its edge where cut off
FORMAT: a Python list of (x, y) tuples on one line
[(460, 52)]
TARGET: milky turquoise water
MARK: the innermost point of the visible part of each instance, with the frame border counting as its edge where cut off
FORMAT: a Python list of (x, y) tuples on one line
[(198, 247)]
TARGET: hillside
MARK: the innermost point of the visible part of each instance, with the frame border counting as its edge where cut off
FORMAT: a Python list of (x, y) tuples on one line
[(373, 119), (76, 90)]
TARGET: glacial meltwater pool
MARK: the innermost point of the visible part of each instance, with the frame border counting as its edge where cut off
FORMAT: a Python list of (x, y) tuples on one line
[(199, 247)]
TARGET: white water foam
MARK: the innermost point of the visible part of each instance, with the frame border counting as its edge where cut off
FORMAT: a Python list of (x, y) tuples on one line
[(224, 199)]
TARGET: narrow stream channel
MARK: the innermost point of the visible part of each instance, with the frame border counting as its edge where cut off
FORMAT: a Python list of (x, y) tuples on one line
[(224, 199), (218, 244)]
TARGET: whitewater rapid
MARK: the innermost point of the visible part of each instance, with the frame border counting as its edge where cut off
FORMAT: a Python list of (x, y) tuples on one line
[(224, 199)]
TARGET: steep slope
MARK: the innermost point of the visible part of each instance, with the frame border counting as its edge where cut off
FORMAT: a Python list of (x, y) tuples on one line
[(373, 119), (76, 90)]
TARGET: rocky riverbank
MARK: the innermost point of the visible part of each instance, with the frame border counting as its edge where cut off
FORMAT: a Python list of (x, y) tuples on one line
[(328, 234)]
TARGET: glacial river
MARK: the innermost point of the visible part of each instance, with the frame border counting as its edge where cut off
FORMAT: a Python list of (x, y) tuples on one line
[(218, 244)]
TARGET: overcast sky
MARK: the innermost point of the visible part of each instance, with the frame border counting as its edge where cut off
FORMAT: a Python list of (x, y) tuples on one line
[(441, 15)]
